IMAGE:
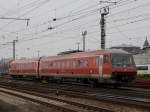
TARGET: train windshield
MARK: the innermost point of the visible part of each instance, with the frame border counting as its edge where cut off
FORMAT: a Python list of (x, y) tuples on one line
[(122, 60)]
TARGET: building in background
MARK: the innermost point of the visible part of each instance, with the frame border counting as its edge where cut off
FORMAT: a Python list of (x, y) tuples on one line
[(128, 47), (143, 57)]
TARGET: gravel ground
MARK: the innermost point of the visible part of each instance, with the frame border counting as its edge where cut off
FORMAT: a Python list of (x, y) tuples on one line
[(5, 107), (10, 103), (107, 105)]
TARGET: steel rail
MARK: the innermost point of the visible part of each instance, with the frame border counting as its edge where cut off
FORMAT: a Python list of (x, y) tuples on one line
[(81, 107)]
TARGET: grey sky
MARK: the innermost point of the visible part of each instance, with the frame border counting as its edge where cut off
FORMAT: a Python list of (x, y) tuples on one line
[(128, 22)]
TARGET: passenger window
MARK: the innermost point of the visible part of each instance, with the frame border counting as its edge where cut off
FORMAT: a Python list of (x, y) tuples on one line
[(51, 64), (85, 62), (105, 59), (54, 64), (68, 64), (46, 64), (59, 66), (97, 61), (74, 63), (63, 64), (78, 63)]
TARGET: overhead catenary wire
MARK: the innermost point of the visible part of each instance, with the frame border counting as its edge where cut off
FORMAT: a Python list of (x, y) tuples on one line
[(39, 5), (65, 17), (117, 20), (32, 38), (24, 7), (48, 22)]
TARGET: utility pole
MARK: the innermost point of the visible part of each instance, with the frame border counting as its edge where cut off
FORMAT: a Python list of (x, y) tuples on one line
[(78, 43), (84, 34), (14, 49), (103, 26), (38, 53)]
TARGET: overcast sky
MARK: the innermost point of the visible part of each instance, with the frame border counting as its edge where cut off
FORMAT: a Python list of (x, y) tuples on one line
[(128, 22)]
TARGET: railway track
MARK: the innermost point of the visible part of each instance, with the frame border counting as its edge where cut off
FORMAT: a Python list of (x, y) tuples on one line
[(60, 104), (124, 96)]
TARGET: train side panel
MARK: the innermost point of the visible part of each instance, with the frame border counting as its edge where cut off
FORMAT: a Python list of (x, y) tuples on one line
[(91, 67), (76, 67), (102, 66), (24, 68)]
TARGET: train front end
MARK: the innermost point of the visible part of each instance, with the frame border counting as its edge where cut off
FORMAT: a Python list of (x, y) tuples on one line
[(123, 67)]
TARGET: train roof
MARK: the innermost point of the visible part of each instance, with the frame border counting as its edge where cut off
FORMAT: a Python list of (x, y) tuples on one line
[(118, 51), (86, 54), (25, 60), (73, 55)]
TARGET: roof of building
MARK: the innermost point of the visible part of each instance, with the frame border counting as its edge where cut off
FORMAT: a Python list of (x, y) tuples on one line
[(146, 44), (125, 45)]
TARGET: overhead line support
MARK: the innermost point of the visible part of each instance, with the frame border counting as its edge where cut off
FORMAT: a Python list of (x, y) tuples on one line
[(103, 26), (24, 19)]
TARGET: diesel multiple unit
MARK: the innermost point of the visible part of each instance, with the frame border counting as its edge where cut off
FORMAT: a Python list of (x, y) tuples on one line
[(101, 66)]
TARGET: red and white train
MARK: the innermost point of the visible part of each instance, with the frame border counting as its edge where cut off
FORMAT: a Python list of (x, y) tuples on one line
[(101, 66)]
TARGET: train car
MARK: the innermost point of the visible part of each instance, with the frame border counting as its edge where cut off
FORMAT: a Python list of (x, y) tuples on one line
[(103, 66), (143, 70), (24, 68)]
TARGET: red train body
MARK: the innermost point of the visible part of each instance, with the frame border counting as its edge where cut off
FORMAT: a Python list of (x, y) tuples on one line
[(103, 66), (24, 67)]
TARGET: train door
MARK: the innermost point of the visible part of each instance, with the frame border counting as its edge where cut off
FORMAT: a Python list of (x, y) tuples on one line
[(106, 67), (100, 68)]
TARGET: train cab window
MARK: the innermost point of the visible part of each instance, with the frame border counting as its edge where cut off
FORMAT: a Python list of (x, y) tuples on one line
[(105, 59)]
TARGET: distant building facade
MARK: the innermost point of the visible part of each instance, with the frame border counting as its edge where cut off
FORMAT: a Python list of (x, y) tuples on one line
[(144, 55), (141, 59)]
